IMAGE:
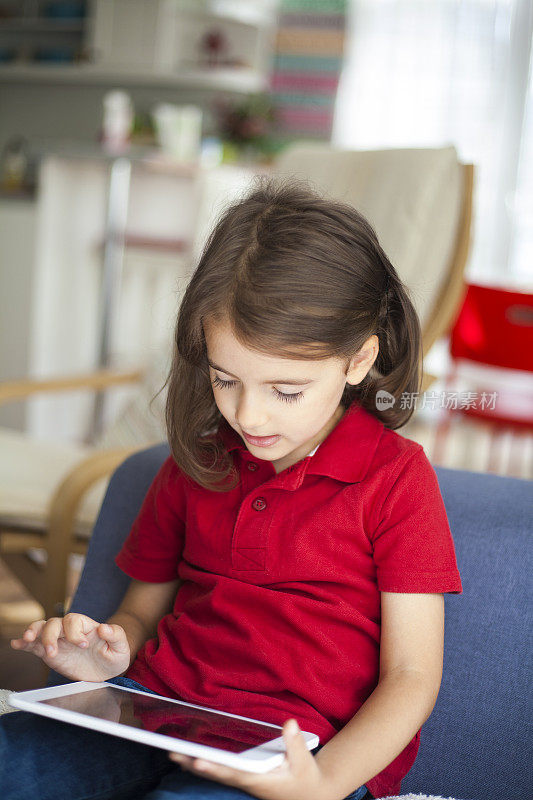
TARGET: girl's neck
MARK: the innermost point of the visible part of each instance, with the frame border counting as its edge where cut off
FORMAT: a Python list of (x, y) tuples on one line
[(292, 458)]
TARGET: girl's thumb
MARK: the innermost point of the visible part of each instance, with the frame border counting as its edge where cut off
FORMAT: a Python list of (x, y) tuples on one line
[(294, 742), (114, 636)]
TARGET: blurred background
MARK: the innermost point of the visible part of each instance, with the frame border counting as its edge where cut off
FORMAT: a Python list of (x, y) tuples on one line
[(126, 126)]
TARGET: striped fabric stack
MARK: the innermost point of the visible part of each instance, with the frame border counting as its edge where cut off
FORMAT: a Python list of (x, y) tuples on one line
[(307, 66)]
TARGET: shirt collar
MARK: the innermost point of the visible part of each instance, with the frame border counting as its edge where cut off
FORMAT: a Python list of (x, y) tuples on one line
[(345, 454)]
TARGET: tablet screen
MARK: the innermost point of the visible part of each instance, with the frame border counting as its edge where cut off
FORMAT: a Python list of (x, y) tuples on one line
[(170, 719)]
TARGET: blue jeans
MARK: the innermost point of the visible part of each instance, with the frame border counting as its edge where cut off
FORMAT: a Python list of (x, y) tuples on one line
[(46, 759)]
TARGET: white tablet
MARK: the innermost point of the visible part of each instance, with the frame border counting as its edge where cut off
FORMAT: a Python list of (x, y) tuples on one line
[(173, 725)]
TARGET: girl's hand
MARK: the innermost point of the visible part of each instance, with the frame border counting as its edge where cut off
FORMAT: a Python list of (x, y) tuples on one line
[(77, 646), (298, 778)]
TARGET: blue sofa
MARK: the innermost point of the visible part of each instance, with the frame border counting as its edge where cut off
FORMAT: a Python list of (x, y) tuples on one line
[(475, 744)]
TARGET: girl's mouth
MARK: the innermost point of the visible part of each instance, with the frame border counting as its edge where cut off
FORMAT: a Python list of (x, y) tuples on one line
[(261, 441)]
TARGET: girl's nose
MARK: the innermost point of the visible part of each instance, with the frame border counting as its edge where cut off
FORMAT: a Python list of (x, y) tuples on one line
[(250, 416)]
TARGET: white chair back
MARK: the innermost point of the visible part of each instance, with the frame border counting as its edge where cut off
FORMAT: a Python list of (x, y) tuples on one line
[(412, 197)]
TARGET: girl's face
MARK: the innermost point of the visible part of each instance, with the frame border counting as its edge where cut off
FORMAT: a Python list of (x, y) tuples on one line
[(296, 402)]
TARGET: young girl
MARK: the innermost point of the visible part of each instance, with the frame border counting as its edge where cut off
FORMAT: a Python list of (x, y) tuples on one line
[(290, 558)]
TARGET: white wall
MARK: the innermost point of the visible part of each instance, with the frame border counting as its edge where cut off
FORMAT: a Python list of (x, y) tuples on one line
[(17, 246), (60, 328)]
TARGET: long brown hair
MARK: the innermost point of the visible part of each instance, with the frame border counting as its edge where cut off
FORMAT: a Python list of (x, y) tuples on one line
[(298, 276)]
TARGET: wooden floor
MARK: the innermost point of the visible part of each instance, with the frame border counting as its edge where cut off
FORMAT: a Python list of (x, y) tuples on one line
[(460, 444), (18, 671)]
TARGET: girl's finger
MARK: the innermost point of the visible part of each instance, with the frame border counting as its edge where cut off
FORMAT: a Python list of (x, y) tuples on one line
[(76, 626), (180, 759), (20, 644), (115, 636), (33, 630), (30, 640), (50, 634), (35, 647), (218, 772)]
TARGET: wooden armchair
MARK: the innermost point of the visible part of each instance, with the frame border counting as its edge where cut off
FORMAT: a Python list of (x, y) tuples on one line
[(46, 516)]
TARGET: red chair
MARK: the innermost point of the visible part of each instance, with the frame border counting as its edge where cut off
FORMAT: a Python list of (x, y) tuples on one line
[(491, 348)]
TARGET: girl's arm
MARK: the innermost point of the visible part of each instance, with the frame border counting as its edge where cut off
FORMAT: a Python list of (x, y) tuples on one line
[(411, 653)]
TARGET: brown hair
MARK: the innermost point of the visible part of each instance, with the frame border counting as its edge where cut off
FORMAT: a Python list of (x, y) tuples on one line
[(298, 276)]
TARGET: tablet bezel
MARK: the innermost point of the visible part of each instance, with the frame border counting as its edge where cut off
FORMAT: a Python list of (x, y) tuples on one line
[(258, 759)]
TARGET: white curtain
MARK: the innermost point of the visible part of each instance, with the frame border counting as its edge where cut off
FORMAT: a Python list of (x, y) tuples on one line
[(428, 73)]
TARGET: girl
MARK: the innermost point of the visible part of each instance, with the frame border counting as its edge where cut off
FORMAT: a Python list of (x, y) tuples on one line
[(290, 558)]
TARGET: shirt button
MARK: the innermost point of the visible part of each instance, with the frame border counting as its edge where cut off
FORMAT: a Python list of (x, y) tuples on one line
[(259, 504), (252, 466)]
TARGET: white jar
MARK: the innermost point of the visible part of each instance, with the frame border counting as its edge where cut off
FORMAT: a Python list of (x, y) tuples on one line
[(118, 120), (179, 131)]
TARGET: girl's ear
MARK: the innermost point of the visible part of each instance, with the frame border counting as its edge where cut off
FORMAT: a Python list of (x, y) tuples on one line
[(361, 362)]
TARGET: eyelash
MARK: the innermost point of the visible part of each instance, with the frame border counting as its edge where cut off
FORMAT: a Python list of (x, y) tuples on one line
[(287, 398)]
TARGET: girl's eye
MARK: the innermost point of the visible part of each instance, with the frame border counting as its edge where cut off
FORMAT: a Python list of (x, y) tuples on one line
[(287, 398)]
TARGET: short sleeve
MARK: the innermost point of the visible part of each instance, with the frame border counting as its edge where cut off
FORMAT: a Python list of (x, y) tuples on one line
[(155, 543), (413, 544)]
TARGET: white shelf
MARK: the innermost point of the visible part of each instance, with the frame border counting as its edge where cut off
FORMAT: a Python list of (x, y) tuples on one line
[(41, 24), (245, 15), (236, 79), (253, 12)]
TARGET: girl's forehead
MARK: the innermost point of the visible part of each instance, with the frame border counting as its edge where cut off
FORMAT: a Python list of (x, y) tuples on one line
[(230, 354), (221, 340)]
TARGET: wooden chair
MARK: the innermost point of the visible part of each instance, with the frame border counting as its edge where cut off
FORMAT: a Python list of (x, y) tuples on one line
[(50, 520), (358, 177)]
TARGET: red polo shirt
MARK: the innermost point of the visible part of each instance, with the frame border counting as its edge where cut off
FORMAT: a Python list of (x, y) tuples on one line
[(279, 612)]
